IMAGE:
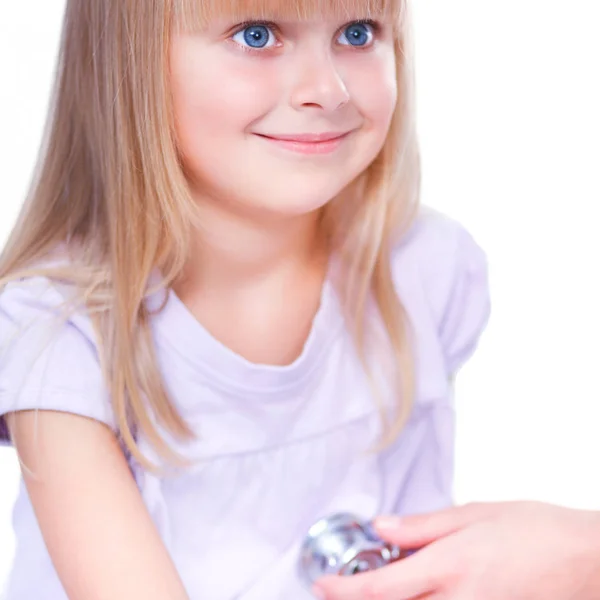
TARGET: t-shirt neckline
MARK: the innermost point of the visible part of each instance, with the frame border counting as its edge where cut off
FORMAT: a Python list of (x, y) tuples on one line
[(224, 368)]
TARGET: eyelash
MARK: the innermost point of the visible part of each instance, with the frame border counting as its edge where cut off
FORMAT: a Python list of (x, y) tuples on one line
[(374, 25)]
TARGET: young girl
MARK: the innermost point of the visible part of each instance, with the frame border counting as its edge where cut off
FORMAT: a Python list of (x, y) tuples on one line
[(223, 313)]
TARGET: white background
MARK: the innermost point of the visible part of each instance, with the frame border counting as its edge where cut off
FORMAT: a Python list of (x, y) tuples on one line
[(509, 116)]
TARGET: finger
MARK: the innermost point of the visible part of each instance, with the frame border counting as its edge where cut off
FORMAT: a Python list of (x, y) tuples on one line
[(419, 530), (418, 576)]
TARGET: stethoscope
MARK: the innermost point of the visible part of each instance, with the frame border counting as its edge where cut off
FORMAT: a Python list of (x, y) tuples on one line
[(343, 544)]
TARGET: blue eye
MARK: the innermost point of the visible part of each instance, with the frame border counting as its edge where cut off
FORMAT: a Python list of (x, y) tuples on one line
[(358, 34), (255, 36)]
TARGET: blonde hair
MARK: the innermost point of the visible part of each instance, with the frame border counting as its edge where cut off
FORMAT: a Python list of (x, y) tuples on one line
[(109, 188)]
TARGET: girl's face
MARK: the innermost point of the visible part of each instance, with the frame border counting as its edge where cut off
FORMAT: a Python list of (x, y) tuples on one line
[(240, 89)]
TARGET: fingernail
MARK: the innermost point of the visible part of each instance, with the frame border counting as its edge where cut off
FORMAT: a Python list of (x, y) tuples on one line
[(319, 593), (384, 523)]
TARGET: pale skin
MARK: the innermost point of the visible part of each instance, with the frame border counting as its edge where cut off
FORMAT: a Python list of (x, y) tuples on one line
[(259, 240), (494, 551)]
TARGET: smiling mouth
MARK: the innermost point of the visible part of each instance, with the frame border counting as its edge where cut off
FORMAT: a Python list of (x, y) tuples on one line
[(314, 138), (308, 143)]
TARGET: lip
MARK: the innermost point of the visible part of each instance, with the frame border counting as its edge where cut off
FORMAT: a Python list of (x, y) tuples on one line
[(308, 143), (307, 137)]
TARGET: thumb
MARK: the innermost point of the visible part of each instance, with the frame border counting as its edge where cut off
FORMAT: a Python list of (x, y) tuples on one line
[(419, 530)]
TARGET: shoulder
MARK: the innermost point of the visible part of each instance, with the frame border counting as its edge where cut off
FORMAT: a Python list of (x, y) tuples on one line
[(38, 300), (437, 241), (439, 261), (38, 303)]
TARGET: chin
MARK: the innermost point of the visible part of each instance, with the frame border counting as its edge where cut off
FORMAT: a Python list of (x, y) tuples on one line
[(298, 204)]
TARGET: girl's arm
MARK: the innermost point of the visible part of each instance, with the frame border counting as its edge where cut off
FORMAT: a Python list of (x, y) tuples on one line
[(100, 536)]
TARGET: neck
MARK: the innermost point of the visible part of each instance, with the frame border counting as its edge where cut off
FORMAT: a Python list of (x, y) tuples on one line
[(232, 250)]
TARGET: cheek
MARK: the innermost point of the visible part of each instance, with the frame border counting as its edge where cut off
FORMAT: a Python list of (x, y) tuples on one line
[(215, 99), (374, 90), (220, 94)]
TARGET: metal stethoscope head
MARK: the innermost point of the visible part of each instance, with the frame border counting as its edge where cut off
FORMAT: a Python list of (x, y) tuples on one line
[(343, 544)]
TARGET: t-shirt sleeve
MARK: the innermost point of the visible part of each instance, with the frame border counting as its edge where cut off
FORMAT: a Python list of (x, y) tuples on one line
[(467, 308), (47, 361), (447, 289)]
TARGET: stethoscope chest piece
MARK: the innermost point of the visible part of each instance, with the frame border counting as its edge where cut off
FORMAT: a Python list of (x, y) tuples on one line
[(342, 544)]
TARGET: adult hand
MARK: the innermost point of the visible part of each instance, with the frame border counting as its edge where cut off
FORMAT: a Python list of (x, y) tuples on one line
[(495, 551)]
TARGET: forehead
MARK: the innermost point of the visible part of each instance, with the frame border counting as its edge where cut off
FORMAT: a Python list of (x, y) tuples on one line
[(195, 14)]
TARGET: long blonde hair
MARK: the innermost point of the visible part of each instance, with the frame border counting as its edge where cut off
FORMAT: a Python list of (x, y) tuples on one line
[(109, 187)]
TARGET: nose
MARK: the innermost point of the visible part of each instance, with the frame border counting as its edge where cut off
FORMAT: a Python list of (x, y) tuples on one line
[(317, 83)]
